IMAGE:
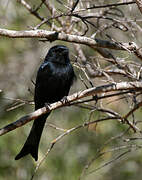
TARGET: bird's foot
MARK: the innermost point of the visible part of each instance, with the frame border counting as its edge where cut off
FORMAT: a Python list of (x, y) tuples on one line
[(65, 101), (95, 98), (47, 105)]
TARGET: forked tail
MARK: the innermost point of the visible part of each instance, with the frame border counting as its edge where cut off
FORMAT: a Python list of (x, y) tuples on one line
[(32, 142)]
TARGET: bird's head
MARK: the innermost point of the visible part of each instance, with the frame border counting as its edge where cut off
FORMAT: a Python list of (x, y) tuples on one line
[(58, 54)]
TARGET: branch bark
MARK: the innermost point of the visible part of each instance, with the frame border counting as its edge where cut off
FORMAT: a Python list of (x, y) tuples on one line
[(53, 35), (136, 86)]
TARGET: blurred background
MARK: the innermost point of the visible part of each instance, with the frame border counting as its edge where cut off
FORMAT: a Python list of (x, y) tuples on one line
[(19, 61)]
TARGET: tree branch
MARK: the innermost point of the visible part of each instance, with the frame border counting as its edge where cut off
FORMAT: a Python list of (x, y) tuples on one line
[(137, 86), (29, 8), (53, 35), (139, 4)]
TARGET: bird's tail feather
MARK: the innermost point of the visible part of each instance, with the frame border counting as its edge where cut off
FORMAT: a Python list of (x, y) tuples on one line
[(32, 142), (28, 149)]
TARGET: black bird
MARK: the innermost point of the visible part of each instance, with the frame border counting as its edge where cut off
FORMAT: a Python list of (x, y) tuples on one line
[(54, 79)]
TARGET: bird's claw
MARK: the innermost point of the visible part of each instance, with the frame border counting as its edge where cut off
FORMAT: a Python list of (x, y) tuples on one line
[(64, 100), (95, 98), (47, 105)]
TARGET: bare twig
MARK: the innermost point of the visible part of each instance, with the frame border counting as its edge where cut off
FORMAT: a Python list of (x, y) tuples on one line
[(69, 131), (139, 4), (29, 8), (111, 5), (133, 110)]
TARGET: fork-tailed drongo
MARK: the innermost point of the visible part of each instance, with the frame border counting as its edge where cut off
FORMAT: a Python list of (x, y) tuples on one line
[(54, 79)]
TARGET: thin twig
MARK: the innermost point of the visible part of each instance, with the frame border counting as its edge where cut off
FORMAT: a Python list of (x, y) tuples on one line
[(69, 131)]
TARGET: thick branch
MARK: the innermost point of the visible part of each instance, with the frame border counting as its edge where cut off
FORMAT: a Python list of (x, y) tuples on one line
[(52, 35), (137, 86), (27, 33)]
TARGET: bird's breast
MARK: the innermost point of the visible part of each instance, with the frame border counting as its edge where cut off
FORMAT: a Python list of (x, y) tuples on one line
[(54, 82)]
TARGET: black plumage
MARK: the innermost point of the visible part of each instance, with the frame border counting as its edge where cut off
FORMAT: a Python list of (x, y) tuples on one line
[(54, 79)]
